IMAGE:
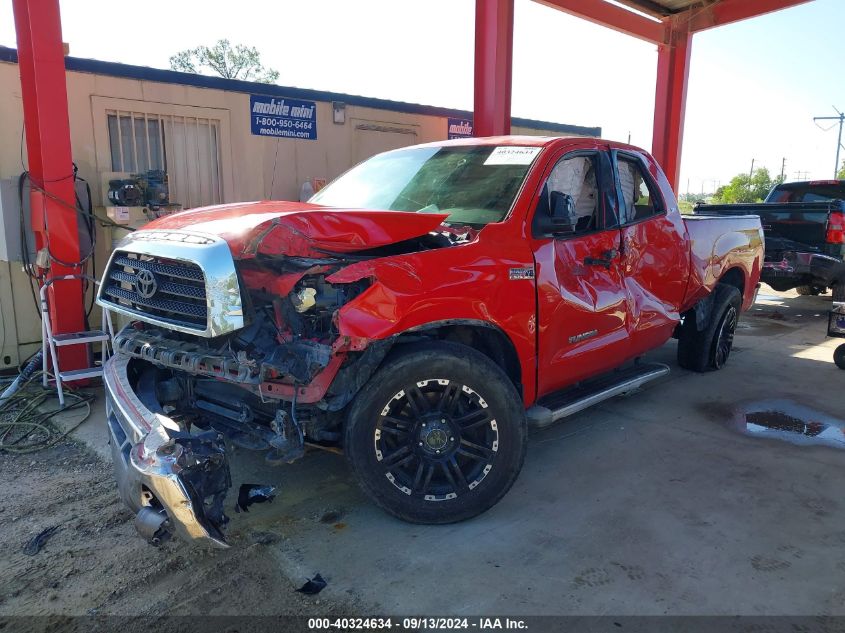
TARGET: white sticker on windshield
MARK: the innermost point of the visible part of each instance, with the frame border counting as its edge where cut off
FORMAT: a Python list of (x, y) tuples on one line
[(512, 155)]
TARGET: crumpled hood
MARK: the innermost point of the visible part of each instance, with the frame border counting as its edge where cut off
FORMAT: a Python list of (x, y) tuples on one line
[(298, 228)]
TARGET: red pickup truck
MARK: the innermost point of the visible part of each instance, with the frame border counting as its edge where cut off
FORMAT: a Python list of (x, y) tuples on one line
[(420, 312)]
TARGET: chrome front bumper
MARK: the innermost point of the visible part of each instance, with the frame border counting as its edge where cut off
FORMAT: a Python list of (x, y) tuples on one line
[(155, 464)]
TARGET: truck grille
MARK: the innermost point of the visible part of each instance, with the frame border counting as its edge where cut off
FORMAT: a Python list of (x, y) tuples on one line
[(167, 290)]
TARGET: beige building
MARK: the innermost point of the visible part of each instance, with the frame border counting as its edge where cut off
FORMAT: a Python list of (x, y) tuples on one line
[(218, 140)]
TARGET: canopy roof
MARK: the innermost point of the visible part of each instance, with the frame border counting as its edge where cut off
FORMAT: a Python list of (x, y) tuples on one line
[(652, 20)]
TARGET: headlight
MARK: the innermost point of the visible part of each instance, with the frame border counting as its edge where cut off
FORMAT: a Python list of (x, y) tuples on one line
[(304, 300)]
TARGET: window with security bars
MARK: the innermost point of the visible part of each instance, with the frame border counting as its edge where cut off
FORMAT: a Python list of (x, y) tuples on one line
[(187, 148)]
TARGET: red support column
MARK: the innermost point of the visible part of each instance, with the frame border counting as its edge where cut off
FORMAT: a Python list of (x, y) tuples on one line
[(493, 67), (42, 68), (673, 61)]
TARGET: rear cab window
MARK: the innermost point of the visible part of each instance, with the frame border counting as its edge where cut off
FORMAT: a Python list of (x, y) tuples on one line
[(639, 195), (808, 192)]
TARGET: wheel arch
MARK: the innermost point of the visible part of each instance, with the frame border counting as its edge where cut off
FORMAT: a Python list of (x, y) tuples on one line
[(735, 277), (483, 336), (702, 311)]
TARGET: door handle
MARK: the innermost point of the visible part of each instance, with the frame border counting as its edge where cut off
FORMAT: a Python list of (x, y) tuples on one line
[(605, 260)]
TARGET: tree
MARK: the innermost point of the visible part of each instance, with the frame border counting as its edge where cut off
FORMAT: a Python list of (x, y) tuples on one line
[(745, 188), (231, 62), (693, 198), (841, 173)]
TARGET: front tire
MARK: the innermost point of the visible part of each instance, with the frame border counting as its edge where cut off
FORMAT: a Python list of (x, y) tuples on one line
[(438, 435), (709, 349)]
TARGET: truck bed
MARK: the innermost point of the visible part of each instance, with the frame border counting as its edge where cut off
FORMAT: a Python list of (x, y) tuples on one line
[(719, 243)]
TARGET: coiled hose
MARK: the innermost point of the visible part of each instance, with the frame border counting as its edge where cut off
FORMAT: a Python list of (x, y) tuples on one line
[(25, 416)]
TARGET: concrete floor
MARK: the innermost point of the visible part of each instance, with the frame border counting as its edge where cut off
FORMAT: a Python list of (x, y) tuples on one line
[(653, 503)]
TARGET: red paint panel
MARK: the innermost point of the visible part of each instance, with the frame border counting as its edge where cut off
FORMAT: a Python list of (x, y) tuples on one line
[(468, 283), (493, 67), (716, 246), (576, 299), (297, 228), (656, 270)]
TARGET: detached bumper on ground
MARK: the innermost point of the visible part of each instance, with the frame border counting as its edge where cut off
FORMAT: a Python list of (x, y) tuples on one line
[(174, 480)]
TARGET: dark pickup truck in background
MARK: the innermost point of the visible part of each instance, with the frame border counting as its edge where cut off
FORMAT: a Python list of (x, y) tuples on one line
[(804, 224)]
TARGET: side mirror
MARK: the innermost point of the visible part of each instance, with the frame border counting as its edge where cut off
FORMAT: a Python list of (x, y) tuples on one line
[(555, 215)]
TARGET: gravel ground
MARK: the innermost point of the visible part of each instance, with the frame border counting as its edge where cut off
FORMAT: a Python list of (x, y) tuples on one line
[(95, 564)]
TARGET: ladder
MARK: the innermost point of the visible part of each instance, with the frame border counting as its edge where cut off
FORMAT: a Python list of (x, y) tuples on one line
[(50, 342)]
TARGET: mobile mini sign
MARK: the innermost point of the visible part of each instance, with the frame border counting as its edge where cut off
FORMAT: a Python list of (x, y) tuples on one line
[(283, 118), (459, 128)]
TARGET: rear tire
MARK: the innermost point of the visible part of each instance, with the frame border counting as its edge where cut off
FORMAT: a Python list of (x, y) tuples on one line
[(438, 435), (839, 356), (839, 292), (709, 349)]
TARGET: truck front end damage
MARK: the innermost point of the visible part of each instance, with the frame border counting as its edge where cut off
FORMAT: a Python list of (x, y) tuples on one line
[(228, 343), (174, 480)]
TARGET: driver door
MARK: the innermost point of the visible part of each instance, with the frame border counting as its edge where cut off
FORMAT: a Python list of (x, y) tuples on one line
[(582, 309)]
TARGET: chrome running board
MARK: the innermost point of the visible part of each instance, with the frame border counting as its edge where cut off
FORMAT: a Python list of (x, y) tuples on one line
[(586, 394)]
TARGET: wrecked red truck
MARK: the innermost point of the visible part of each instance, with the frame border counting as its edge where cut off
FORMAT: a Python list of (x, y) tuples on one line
[(420, 312)]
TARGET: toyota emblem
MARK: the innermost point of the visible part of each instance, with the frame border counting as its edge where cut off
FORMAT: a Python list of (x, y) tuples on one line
[(145, 284)]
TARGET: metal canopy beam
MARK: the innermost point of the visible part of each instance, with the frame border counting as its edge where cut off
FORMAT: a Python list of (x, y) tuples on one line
[(612, 16), (729, 11), (41, 64), (493, 67)]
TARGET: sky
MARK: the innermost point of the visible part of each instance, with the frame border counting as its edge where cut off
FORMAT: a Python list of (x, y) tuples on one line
[(754, 89)]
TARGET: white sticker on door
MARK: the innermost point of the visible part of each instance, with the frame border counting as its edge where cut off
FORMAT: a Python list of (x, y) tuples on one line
[(512, 155)]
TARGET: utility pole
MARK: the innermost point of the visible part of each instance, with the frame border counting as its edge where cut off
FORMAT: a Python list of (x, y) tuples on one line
[(751, 173), (783, 169), (841, 119)]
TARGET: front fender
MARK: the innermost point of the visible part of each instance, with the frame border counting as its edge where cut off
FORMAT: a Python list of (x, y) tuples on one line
[(465, 283)]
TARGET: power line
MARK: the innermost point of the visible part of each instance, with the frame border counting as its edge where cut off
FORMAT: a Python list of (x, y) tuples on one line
[(841, 119)]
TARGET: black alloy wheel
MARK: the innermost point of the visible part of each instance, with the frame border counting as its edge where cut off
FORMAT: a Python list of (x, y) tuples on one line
[(725, 337), (438, 434), (436, 438), (707, 346)]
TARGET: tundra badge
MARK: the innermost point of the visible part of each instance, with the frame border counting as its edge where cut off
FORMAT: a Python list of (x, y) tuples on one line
[(522, 273), (583, 336)]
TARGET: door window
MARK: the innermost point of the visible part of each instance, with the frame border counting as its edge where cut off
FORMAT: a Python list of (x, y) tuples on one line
[(638, 199), (576, 176)]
